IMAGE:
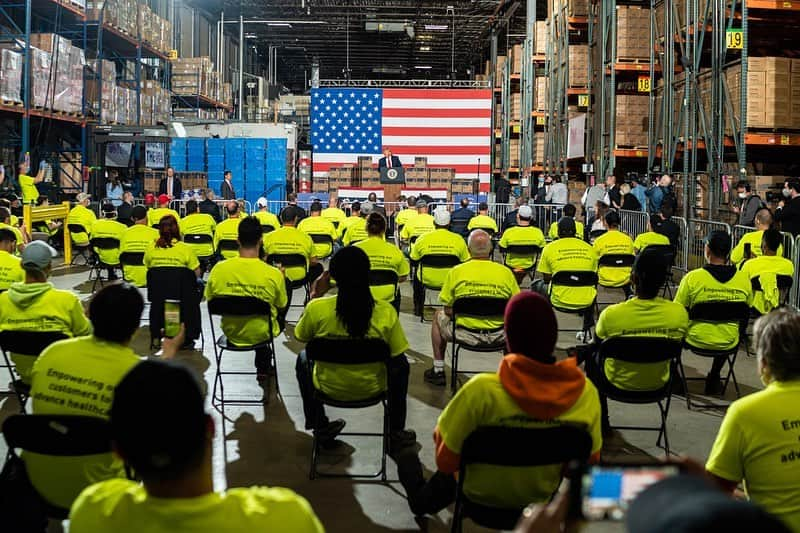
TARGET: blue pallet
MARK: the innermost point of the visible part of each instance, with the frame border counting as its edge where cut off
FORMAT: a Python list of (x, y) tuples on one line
[(254, 154), (215, 176), (255, 143), (192, 165), (215, 185), (179, 143), (215, 145), (276, 143)]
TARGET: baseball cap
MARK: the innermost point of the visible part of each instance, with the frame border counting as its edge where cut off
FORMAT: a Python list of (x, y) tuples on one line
[(421, 204), (82, 196), (149, 198), (525, 212), (690, 504), (37, 256), (108, 208), (261, 202), (441, 216), (719, 242), (566, 226), (367, 207), (163, 199)]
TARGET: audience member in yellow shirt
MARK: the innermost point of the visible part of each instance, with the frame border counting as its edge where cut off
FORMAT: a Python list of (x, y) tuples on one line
[(766, 267), (82, 216), (10, 269), (137, 239), (169, 445)]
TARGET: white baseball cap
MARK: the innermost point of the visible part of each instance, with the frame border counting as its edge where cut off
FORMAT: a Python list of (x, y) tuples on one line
[(261, 202), (441, 216), (525, 211)]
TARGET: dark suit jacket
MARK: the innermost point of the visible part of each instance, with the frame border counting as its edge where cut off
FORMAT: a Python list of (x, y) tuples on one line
[(124, 213), (209, 207), (226, 191), (177, 188), (395, 162), (789, 216)]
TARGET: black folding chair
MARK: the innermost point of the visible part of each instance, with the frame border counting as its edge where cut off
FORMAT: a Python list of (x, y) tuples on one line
[(668, 253), (516, 447), (239, 306), (640, 350), (57, 435), (459, 226), (323, 239), (381, 278), (293, 260), (717, 313), (475, 307), (434, 261), (525, 251), (175, 283), (574, 278), (31, 343), (595, 233), (200, 239), (227, 245), (351, 352), (84, 250), (614, 261), (102, 243), (267, 228)]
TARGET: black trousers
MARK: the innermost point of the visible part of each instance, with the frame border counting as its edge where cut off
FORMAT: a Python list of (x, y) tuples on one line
[(398, 370), (424, 497), (419, 296), (314, 271)]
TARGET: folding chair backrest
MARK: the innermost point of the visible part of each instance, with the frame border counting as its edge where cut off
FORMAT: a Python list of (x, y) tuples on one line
[(76, 228), (380, 277), (616, 260), (267, 228), (641, 349), (59, 435), (169, 282), (522, 447), (228, 245), (719, 312), (480, 306), (287, 260), (29, 342), (131, 259), (595, 233), (238, 306), (527, 250), (197, 238), (666, 250), (105, 243), (321, 239), (348, 351), (459, 226), (439, 260), (575, 278)]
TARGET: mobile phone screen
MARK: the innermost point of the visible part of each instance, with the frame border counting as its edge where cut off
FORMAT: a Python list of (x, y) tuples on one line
[(607, 491), (172, 318)]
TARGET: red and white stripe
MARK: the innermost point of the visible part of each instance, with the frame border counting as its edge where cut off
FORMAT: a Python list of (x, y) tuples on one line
[(451, 127)]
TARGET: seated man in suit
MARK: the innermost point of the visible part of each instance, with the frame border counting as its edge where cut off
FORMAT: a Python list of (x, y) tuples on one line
[(388, 160)]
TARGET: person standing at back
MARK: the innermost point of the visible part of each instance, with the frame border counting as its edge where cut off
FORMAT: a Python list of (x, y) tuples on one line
[(137, 239), (748, 204), (170, 446), (171, 185), (226, 190), (788, 211), (28, 183)]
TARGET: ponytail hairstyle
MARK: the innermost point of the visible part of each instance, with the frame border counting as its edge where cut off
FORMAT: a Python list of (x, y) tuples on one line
[(376, 225), (354, 303), (168, 231)]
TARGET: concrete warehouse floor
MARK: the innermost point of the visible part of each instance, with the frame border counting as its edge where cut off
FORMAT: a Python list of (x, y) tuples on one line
[(268, 446)]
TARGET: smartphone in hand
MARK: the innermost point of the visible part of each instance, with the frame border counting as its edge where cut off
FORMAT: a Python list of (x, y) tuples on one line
[(172, 318)]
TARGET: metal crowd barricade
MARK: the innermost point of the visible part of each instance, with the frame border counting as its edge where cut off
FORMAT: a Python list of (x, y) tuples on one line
[(633, 222), (499, 211), (698, 230), (739, 232), (794, 293), (789, 246), (545, 214), (180, 207), (682, 253)]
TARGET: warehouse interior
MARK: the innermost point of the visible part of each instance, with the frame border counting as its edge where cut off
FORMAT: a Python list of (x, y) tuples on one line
[(96, 95)]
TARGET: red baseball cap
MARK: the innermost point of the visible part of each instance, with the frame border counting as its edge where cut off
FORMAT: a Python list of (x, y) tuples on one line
[(163, 199), (149, 199)]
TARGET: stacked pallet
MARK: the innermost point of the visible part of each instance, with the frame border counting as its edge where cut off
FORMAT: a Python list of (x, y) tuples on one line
[(57, 73), (134, 19), (10, 76), (633, 29), (578, 65), (632, 119)]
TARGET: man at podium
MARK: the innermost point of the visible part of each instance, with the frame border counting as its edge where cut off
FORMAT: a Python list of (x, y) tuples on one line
[(388, 160)]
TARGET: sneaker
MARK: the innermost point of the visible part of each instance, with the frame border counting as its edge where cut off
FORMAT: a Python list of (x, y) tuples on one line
[(584, 337), (327, 434), (435, 378)]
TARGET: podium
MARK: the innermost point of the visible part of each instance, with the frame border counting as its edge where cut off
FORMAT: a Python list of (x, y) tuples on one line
[(393, 176)]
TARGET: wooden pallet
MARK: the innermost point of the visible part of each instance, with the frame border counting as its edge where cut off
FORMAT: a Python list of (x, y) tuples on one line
[(633, 60), (630, 147), (11, 103)]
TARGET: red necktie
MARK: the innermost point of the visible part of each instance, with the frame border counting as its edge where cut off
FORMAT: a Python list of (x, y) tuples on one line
[(389, 162)]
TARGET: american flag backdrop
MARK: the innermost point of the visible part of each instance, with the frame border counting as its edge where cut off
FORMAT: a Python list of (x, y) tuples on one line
[(451, 127)]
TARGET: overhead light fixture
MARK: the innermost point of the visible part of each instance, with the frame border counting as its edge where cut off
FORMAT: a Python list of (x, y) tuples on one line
[(423, 67), (436, 27), (424, 48), (279, 24), (250, 36)]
